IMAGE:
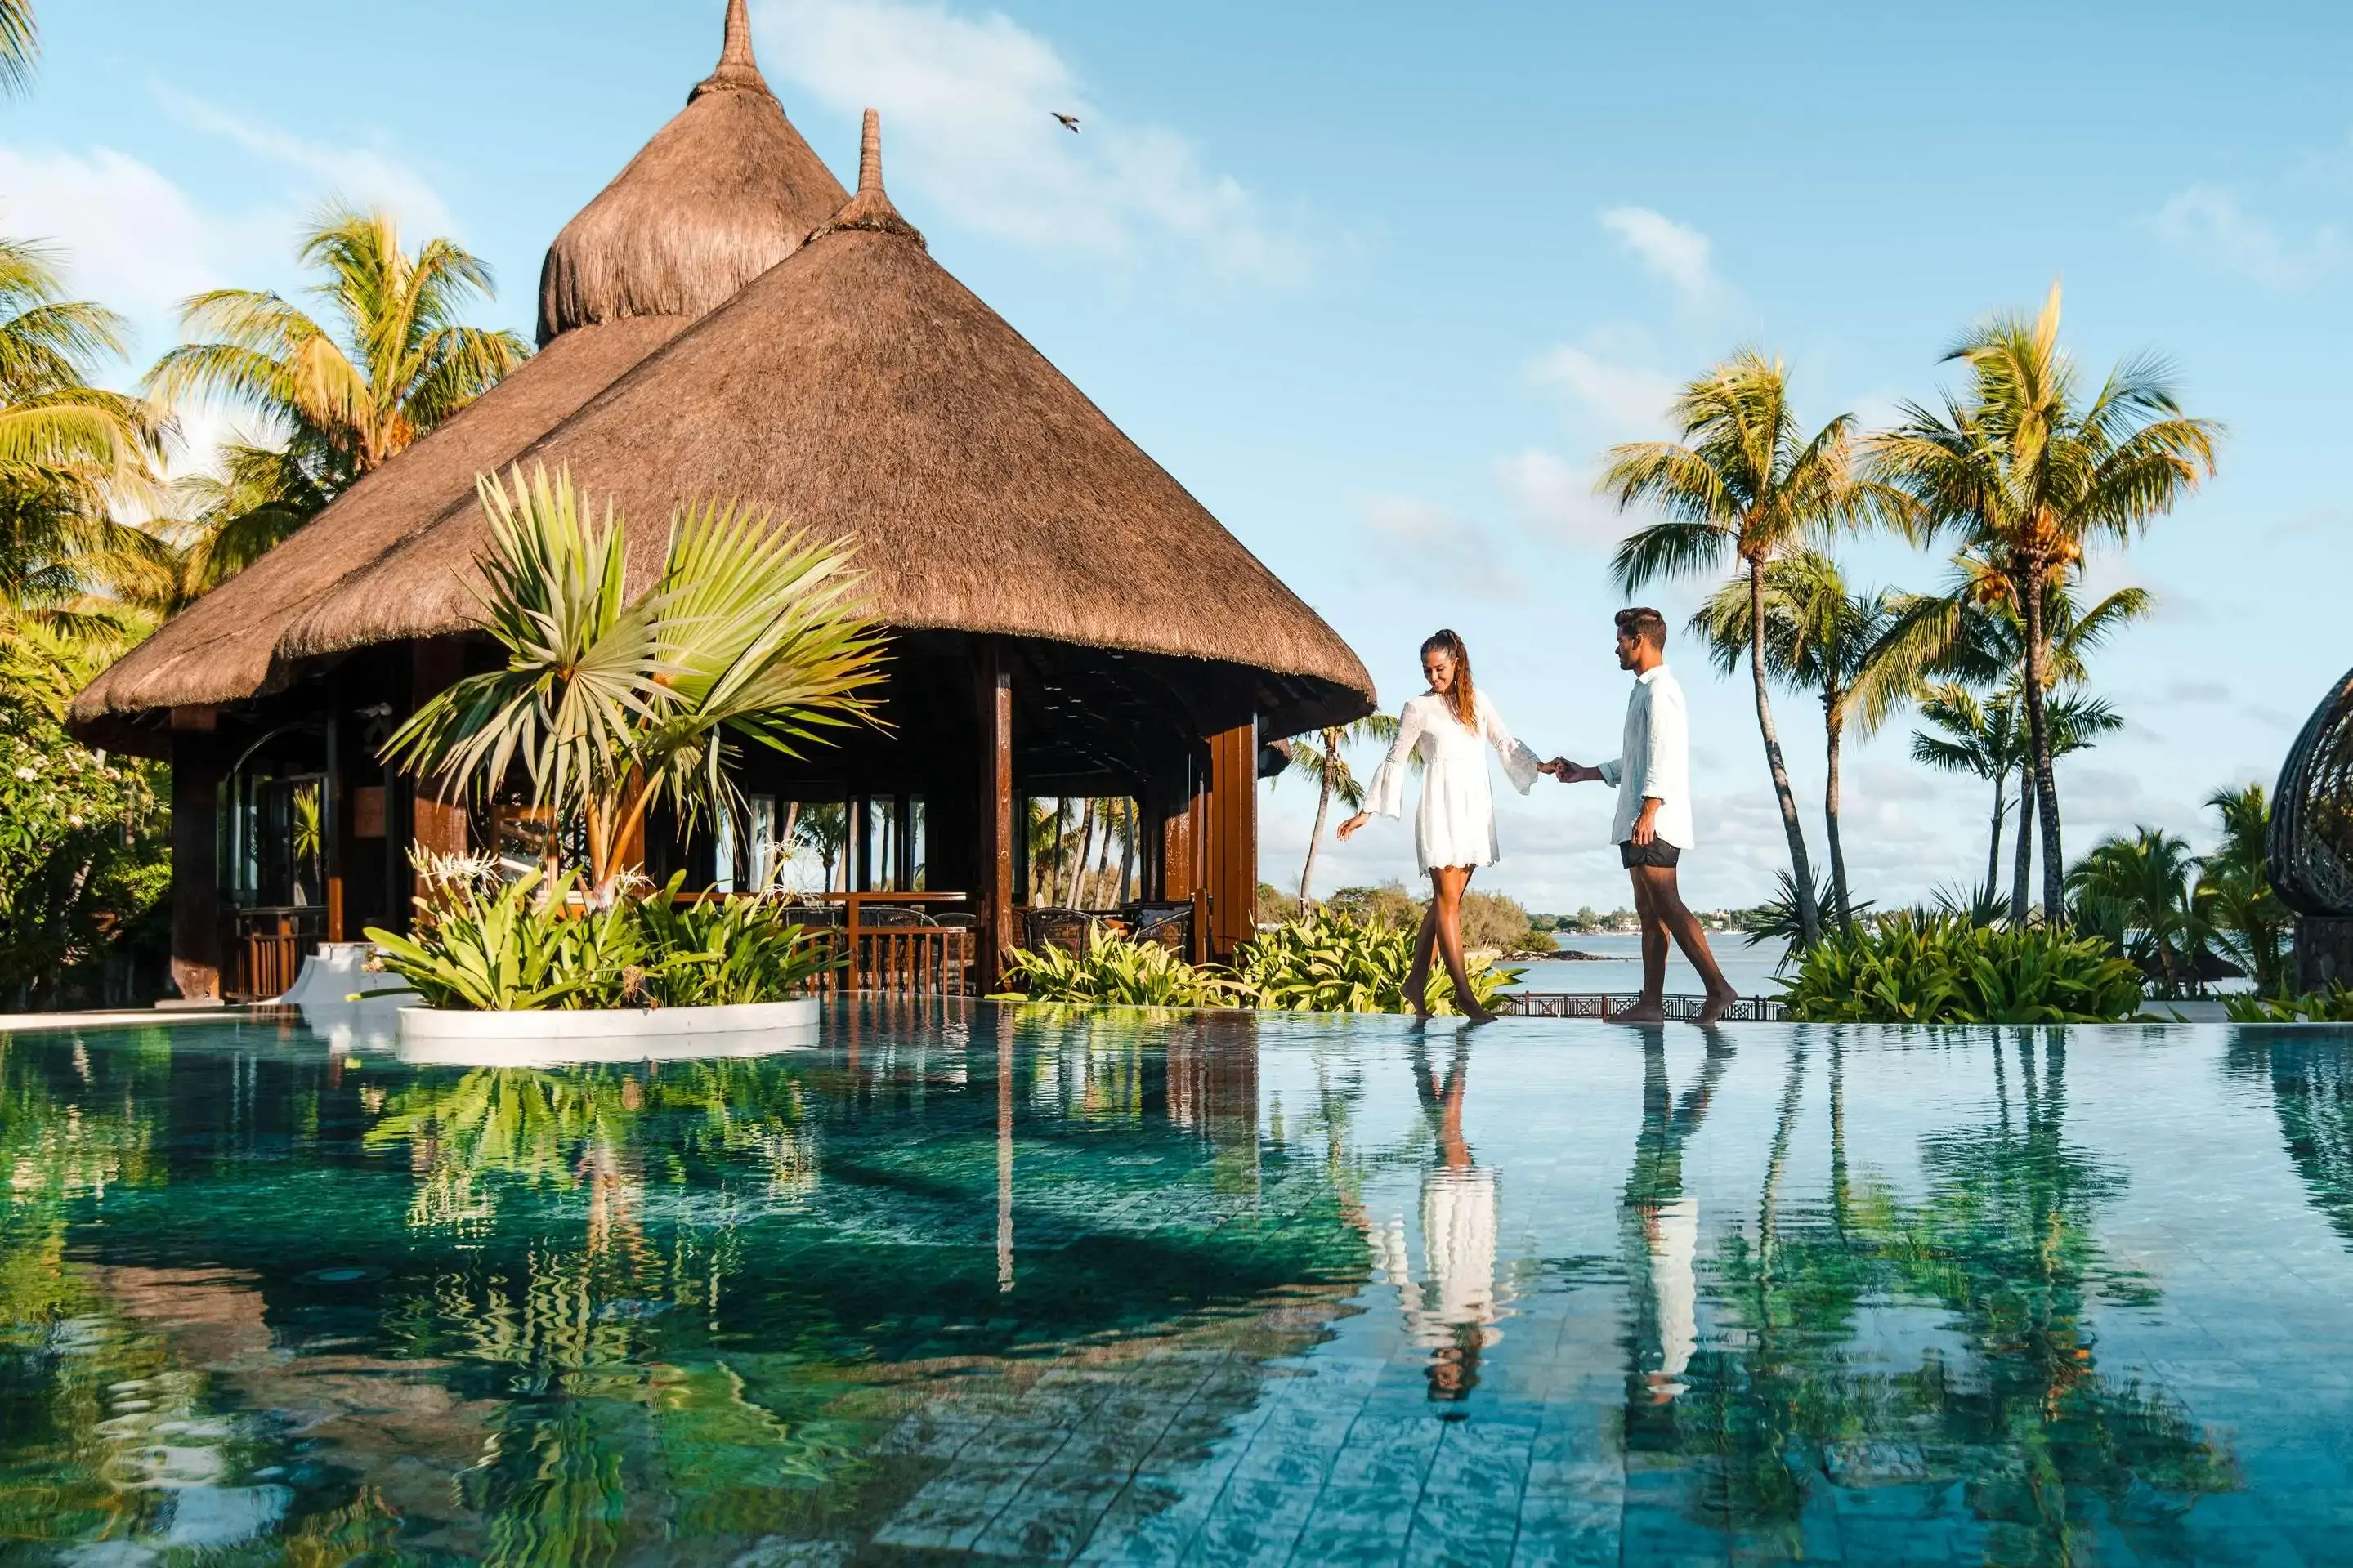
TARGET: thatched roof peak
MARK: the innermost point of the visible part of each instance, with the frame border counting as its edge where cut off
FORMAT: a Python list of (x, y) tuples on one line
[(737, 71), (870, 209), (723, 193)]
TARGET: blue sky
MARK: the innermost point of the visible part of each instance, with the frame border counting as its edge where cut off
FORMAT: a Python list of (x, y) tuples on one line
[(1379, 283)]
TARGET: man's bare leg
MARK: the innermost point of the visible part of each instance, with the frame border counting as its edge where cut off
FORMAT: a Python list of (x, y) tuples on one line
[(1651, 1007), (1667, 899)]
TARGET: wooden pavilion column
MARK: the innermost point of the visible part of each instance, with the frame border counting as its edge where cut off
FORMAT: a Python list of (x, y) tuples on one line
[(196, 856), (439, 825), (995, 935), (1229, 858)]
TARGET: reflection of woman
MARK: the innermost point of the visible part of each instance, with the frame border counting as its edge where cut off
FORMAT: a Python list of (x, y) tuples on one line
[(1452, 1312), (1449, 726)]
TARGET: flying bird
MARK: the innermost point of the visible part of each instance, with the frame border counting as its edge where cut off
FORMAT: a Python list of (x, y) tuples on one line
[(1070, 121)]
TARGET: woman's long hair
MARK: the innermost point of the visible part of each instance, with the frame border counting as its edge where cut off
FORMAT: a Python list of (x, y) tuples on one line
[(1459, 696)]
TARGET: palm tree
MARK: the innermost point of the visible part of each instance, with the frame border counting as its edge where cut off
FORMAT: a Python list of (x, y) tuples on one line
[(1822, 639), (392, 361), (2030, 474), (20, 45), (614, 705), (67, 450), (1323, 766), (1743, 485), (2137, 892), (2234, 896), (1978, 739)]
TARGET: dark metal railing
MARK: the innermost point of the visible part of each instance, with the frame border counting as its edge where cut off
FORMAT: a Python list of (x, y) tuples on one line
[(1604, 1006)]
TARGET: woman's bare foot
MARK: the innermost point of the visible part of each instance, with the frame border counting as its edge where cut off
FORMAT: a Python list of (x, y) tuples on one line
[(1711, 1010), (1478, 1015)]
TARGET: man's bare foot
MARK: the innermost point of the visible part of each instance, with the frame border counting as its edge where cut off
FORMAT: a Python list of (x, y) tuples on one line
[(1711, 1010), (1475, 1014), (1641, 1012)]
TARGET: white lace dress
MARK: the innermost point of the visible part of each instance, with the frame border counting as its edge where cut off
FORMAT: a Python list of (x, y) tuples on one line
[(1456, 823)]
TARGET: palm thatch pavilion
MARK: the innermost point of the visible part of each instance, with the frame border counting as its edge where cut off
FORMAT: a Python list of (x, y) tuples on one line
[(724, 320)]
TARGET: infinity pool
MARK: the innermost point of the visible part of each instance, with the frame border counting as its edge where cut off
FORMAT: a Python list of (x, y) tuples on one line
[(983, 1284)]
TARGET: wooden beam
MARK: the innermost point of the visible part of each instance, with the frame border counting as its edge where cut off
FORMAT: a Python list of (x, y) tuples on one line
[(996, 936), (1231, 854), (438, 824), (196, 865)]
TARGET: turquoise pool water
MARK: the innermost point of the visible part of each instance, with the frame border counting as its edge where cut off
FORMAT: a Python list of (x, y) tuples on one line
[(975, 1284)]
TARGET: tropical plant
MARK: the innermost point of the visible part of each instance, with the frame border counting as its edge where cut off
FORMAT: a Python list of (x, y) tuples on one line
[(720, 953), (1120, 972), (1743, 485), (1780, 918), (2245, 920), (1325, 961), (1819, 638), (510, 948), (20, 45), (2333, 1005), (2136, 892), (613, 705), (391, 362), (2029, 474), (1910, 968), (1978, 738), (1324, 766)]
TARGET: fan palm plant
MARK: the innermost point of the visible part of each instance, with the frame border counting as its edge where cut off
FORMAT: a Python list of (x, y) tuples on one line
[(2030, 473), (1324, 765), (391, 361), (1743, 486), (1819, 638), (613, 705)]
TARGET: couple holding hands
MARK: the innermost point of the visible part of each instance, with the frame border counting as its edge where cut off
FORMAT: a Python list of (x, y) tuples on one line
[(1449, 726)]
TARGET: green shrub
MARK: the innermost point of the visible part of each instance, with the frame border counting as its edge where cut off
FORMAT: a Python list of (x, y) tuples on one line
[(2333, 1005), (1332, 963), (1118, 972), (511, 948), (1913, 968)]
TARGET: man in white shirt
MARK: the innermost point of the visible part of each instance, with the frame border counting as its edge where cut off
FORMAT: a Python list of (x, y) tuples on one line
[(1653, 824)]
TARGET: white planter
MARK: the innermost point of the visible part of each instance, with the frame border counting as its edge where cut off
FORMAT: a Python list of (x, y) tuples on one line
[(433, 1036)]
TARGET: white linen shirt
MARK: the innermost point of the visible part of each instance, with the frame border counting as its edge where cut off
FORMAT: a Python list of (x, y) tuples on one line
[(1654, 760)]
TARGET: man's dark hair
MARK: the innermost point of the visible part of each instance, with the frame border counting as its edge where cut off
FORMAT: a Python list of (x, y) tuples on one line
[(1644, 623)]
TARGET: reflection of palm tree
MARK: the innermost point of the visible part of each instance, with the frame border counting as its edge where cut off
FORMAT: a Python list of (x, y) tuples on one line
[(1452, 1312), (2312, 1094)]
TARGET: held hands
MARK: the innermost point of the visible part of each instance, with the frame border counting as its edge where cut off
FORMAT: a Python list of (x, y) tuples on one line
[(1568, 771)]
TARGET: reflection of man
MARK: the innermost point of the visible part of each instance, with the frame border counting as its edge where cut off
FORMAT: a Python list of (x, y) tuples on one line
[(1452, 1314), (1653, 824)]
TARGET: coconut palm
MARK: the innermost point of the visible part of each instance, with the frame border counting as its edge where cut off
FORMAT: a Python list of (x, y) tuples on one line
[(20, 45), (391, 361), (68, 450), (614, 705), (1978, 738), (2136, 891), (2030, 473), (1743, 487), (1324, 766), (2250, 923), (1819, 638)]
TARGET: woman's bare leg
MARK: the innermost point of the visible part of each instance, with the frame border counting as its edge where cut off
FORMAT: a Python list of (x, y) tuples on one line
[(1416, 979), (1449, 882)]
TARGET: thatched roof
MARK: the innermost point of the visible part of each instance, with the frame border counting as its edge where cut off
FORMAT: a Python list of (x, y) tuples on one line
[(859, 389), (222, 649), (723, 193)]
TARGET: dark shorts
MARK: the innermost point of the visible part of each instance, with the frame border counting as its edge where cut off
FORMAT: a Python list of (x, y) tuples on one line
[(1656, 852)]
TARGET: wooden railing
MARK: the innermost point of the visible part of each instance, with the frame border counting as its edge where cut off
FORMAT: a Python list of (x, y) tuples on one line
[(267, 946), (1605, 1006), (902, 943)]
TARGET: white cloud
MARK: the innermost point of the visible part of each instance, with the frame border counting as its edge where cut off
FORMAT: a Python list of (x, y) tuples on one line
[(966, 104), (2207, 221), (1448, 553), (1667, 248), (361, 175), (1555, 497), (124, 235), (1623, 399)]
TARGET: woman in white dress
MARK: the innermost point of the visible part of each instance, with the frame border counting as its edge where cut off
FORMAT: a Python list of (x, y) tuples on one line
[(1449, 726)]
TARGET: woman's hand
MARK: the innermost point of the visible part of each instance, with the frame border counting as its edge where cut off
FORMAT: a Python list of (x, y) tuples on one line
[(1348, 828)]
